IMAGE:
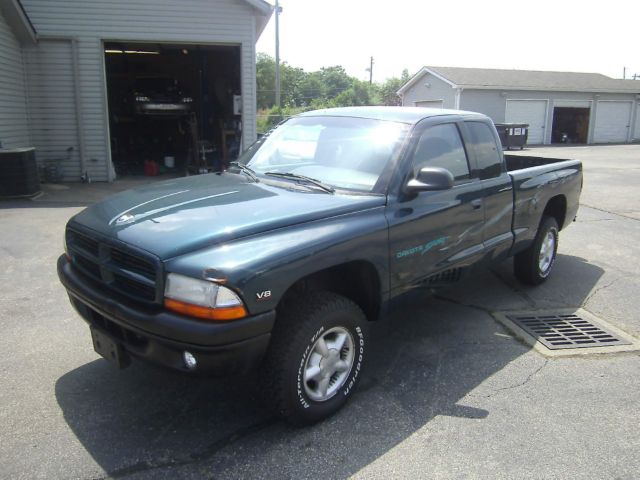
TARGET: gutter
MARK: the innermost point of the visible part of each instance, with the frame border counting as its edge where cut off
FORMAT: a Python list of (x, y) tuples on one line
[(544, 89)]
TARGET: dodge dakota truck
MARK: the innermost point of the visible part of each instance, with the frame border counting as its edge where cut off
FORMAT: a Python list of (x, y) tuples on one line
[(281, 262)]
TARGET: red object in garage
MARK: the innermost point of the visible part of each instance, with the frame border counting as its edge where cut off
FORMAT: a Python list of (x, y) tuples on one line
[(151, 168)]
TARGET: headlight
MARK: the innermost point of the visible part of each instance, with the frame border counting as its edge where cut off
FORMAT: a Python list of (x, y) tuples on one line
[(202, 299), (142, 98), (187, 100)]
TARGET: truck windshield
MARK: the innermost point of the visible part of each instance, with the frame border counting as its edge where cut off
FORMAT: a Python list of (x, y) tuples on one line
[(343, 152)]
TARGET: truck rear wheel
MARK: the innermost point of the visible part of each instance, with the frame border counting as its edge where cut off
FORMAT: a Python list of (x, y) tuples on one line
[(315, 358), (533, 266)]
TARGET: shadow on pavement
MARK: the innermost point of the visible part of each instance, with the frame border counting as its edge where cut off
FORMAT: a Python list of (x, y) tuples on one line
[(426, 358)]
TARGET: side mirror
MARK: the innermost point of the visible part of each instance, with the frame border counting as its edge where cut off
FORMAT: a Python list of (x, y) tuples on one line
[(431, 178)]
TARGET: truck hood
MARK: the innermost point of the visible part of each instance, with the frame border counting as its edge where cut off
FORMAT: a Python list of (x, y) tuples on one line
[(183, 215)]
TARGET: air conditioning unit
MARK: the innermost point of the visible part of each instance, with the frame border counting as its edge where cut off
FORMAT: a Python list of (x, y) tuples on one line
[(18, 173)]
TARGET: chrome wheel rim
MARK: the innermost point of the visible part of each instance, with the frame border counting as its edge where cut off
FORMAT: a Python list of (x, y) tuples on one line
[(547, 252), (329, 364)]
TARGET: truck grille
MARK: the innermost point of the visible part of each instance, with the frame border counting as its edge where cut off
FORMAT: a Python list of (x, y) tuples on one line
[(130, 273)]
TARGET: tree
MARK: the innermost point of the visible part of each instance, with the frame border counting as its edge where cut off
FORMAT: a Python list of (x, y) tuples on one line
[(327, 87), (265, 81), (335, 80), (291, 80), (389, 88)]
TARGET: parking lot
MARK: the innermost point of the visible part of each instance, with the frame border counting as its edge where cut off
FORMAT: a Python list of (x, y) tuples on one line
[(449, 391)]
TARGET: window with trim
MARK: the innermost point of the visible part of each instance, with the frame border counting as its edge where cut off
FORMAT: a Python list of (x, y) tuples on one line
[(486, 150), (441, 146)]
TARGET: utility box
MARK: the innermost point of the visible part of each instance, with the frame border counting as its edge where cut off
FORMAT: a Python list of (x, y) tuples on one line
[(18, 173), (513, 134)]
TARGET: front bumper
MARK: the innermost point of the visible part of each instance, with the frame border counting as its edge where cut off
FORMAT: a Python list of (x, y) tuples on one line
[(157, 336)]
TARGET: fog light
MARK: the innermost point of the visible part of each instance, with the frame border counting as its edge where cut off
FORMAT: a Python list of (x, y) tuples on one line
[(189, 360)]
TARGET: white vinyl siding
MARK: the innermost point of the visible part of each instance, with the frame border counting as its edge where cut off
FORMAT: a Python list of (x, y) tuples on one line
[(14, 129), (91, 22), (532, 112), (52, 107), (612, 122), (430, 88)]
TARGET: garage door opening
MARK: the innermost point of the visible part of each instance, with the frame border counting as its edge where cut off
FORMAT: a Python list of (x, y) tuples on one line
[(173, 108), (570, 125)]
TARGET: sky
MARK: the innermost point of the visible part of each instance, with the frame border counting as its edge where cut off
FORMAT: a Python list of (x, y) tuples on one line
[(562, 35)]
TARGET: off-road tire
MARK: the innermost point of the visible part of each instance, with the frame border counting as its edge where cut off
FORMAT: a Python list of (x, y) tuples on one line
[(297, 329), (526, 264)]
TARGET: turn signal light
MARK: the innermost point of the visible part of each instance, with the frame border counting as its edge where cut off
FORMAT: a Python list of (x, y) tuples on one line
[(206, 313)]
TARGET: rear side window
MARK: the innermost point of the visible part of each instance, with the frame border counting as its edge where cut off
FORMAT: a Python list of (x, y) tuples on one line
[(487, 154), (441, 146)]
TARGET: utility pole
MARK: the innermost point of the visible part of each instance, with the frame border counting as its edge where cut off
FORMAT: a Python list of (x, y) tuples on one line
[(370, 71), (278, 10), (624, 73)]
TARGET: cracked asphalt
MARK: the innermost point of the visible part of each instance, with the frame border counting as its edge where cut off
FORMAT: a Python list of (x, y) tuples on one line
[(448, 391)]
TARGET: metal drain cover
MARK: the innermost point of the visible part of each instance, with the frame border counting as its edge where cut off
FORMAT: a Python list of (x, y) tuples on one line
[(566, 331)]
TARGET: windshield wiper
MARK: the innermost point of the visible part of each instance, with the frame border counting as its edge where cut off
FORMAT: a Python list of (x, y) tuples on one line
[(303, 179), (246, 170)]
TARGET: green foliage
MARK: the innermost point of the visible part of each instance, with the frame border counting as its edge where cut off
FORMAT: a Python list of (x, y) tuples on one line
[(328, 87), (389, 88)]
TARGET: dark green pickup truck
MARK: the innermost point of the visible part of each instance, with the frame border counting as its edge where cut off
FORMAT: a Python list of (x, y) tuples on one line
[(281, 262)]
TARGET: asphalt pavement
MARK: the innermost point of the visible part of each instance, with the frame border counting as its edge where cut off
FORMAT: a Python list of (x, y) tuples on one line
[(449, 392)]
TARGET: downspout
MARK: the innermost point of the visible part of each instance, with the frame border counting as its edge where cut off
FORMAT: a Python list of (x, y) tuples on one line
[(632, 120), (457, 97), (84, 175), (592, 120)]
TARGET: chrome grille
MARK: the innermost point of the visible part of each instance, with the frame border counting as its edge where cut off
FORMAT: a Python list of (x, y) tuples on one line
[(131, 273)]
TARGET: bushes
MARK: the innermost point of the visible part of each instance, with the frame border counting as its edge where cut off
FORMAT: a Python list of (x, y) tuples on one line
[(326, 88)]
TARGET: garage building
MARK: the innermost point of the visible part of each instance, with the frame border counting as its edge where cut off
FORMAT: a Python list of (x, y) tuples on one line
[(73, 74), (558, 106)]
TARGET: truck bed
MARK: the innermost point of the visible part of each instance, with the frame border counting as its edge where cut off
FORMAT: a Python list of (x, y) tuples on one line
[(537, 181), (518, 162)]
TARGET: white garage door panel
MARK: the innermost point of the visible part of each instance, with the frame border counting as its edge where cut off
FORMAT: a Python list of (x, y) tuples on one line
[(430, 104), (533, 112), (636, 132), (612, 122)]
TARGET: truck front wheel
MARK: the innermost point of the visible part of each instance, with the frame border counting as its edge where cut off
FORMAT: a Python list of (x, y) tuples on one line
[(315, 358), (533, 266)]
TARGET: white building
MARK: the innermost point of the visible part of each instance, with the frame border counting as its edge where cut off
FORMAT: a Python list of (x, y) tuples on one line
[(68, 69), (588, 107)]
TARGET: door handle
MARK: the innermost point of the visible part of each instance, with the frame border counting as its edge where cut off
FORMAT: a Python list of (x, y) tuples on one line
[(477, 203)]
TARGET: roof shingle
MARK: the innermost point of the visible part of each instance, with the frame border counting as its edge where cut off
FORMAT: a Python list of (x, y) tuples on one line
[(533, 80)]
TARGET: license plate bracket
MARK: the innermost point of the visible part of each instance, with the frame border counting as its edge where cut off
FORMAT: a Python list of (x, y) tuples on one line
[(109, 348)]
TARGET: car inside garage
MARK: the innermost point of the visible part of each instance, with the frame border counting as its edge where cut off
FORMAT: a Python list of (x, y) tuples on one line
[(173, 107)]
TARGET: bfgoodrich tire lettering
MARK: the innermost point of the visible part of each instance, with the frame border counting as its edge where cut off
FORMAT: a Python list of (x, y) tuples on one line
[(316, 357), (533, 266)]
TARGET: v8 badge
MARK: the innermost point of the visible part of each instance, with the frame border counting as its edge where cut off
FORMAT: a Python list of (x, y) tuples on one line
[(264, 295)]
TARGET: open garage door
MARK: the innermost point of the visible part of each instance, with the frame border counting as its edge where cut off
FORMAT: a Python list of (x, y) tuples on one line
[(533, 112), (172, 107), (612, 122), (570, 125)]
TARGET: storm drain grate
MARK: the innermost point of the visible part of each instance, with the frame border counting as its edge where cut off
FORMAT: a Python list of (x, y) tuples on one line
[(566, 331)]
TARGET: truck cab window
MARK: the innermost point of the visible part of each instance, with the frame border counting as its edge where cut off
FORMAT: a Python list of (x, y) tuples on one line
[(486, 149), (441, 146)]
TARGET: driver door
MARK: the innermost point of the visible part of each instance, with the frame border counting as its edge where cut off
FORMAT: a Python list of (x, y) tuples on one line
[(433, 231)]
